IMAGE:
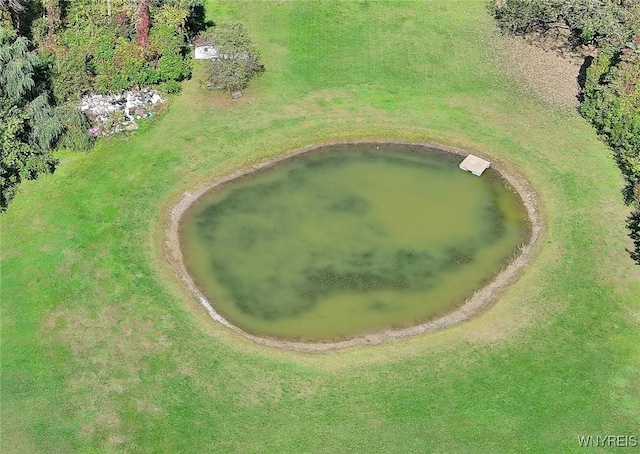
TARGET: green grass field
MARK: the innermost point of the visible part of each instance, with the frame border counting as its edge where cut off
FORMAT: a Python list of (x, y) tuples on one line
[(103, 351)]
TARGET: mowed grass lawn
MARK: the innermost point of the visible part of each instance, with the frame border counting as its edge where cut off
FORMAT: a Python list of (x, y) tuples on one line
[(102, 350)]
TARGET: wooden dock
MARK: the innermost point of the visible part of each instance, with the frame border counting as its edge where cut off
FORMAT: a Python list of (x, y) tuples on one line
[(475, 165)]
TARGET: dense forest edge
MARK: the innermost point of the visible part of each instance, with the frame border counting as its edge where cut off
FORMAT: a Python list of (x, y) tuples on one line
[(610, 98)]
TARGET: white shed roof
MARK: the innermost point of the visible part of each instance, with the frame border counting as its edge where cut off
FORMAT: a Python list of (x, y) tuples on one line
[(206, 52), (210, 52)]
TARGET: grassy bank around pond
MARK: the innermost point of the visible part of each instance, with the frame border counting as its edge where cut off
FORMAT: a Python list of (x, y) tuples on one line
[(103, 351)]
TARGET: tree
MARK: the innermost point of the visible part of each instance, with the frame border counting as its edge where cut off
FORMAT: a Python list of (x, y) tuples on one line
[(30, 125), (238, 59), (589, 21), (16, 65), (14, 11), (633, 224), (143, 23), (53, 16), (612, 104), (18, 160), (14, 5)]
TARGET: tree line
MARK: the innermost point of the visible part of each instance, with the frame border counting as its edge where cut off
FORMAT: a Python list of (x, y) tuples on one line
[(610, 99)]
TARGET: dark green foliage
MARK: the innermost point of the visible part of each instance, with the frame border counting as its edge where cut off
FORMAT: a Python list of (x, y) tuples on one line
[(589, 21), (612, 104), (118, 64), (10, 10), (46, 125), (633, 224), (163, 40), (69, 75), (239, 58), (172, 67), (13, 5), (30, 124), (612, 98), (94, 45), (18, 160), (170, 86), (17, 65), (76, 126)]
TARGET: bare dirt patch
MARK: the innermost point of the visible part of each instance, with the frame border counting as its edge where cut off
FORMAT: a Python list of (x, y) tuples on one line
[(548, 65), (481, 299)]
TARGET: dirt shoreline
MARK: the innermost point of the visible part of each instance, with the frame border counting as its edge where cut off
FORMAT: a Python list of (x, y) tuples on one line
[(479, 301)]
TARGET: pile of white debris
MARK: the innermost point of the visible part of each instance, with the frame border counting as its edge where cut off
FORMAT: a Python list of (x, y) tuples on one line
[(109, 114)]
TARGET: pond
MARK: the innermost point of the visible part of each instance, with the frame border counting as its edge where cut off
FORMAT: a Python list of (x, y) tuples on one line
[(348, 240)]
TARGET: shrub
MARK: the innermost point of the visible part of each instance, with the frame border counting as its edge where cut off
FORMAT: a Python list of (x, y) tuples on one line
[(612, 104), (70, 78), (170, 86), (163, 40), (76, 135), (239, 58), (173, 67)]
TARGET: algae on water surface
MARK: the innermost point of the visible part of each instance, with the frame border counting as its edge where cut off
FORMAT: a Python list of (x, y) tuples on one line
[(350, 239)]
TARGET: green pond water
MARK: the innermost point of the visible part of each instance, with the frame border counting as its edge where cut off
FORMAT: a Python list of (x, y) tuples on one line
[(350, 239)]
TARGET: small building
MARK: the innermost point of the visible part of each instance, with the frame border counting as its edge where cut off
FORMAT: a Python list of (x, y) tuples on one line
[(209, 52), (206, 49), (475, 165), (206, 53)]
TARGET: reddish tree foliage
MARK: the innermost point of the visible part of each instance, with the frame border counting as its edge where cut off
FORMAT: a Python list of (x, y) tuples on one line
[(143, 23), (121, 18)]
